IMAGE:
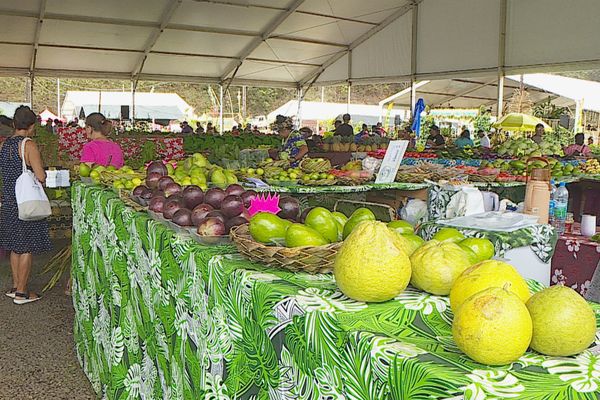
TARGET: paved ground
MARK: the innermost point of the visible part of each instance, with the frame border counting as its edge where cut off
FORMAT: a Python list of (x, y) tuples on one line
[(37, 357)]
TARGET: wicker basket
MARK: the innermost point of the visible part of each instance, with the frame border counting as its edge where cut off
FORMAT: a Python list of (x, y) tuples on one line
[(408, 177), (482, 178), (311, 259), (320, 182), (311, 165), (347, 181)]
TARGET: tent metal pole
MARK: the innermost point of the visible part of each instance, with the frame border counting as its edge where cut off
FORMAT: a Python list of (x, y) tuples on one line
[(413, 96), (322, 101), (299, 110), (501, 56), (220, 109), (244, 102), (413, 57), (500, 102), (31, 82), (349, 97), (578, 126), (133, 90), (58, 97)]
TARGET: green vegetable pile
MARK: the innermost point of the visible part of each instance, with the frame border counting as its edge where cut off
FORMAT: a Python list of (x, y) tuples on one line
[(200, 143)]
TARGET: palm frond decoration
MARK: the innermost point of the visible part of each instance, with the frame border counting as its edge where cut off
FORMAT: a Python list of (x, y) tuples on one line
[(60, 263), (520, 102)]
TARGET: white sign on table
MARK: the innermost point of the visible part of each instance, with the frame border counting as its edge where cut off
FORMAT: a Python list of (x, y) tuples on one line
[(393, 157)]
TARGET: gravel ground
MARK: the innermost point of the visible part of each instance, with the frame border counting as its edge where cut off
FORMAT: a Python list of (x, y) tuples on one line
[(37, 356)]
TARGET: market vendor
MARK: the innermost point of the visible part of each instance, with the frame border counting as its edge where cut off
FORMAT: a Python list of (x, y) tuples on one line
[(364, 132), (210, 129), (435, 139), (345, 129), (464, 140), (539, 133), (294, 145), (578, 148), (100, 149), (484, 140)]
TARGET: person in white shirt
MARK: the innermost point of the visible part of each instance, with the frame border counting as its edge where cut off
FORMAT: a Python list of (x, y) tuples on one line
[(484, 140)]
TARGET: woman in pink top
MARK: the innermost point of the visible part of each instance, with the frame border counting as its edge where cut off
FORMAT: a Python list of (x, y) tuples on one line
[(579, 149), (100, 150)]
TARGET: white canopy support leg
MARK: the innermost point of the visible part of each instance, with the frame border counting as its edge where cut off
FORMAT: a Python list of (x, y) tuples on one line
[(578, 126), (299, 110), (133, 90), (500, 103), (29, 89), (220, 109), (413, 96), (58, 98), (501, 56), (349, 97)]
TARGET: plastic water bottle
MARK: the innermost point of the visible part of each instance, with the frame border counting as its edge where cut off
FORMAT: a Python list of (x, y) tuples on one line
[(561, 200), (553, 190)]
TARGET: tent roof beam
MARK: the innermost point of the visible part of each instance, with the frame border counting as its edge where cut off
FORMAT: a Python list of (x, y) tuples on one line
[(256, 42)]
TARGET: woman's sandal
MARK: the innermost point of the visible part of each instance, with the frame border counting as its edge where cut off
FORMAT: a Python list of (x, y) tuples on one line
[(11, 293), (24, 298)]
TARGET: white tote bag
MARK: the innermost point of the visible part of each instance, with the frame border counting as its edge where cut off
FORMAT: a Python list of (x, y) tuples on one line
[(32, 201)]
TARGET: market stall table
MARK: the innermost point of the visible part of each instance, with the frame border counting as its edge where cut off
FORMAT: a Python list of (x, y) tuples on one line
[(159, 316), (574, 261)]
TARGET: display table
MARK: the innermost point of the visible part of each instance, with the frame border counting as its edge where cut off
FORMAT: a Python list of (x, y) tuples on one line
[(529, 249), (575, 261), (158, 316)]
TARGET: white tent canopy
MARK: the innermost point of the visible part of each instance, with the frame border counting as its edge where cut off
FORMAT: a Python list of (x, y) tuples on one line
[(475, 92), (317, 111), (295, 42), (166, 106)]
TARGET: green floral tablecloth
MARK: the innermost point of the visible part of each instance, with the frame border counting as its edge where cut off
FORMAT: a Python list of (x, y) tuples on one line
[(161, 317), (540, 238)]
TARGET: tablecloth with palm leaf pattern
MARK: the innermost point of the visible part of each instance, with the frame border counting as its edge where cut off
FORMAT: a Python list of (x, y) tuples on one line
[(160, 317), (540, 238)]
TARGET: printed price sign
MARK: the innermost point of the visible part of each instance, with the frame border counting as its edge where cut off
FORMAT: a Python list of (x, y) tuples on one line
[(391, 161)]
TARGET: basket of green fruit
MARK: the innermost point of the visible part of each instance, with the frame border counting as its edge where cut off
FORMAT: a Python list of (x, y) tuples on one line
[(308, 247), (319, 179), (311, 259)]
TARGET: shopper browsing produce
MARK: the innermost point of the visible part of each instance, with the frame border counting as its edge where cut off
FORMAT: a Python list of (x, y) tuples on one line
[(100, 149), (464, 140), (578, 148), (21, 238)]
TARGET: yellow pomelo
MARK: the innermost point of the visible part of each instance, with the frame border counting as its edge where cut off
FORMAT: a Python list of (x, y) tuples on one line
[(436, 265), (493, 327), (564, 324), (484, 275), (371, 264)]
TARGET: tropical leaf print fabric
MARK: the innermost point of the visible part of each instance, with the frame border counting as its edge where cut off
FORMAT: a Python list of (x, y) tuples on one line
[(160, 317), (541, 239)]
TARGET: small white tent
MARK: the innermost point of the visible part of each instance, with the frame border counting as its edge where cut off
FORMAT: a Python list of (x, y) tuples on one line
[(163, 106)]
